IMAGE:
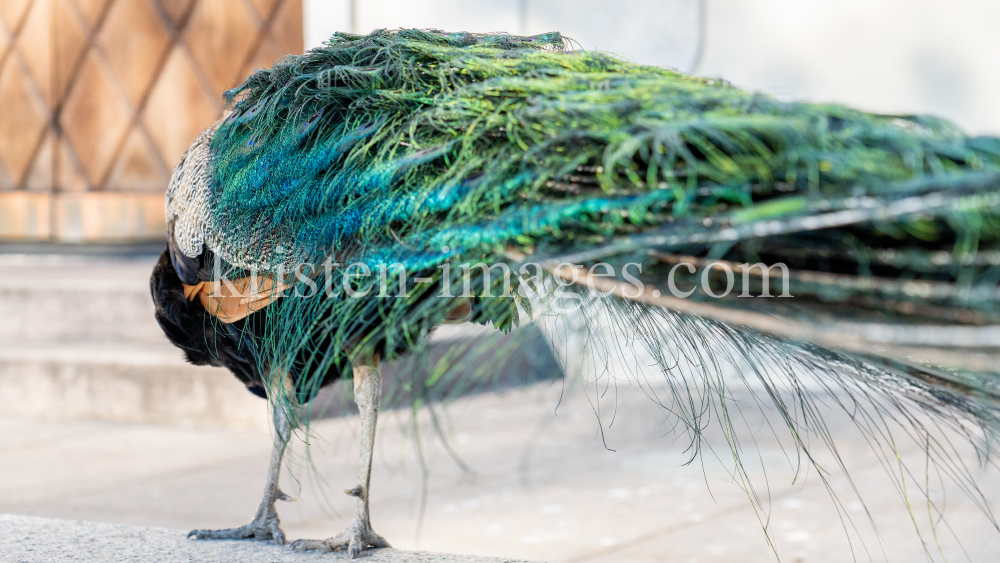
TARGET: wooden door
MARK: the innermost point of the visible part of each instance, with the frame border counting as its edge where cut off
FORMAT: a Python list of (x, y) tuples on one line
[(99, 98)]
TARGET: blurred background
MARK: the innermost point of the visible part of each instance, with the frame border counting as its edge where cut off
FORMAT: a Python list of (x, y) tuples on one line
[(100, 418)]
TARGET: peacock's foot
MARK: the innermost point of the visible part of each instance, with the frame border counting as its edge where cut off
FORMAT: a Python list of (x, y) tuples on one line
[(262, 528), (358, 537)]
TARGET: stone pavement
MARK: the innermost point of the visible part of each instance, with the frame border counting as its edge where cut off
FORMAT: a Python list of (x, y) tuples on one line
[(541, 486), (26, 539)]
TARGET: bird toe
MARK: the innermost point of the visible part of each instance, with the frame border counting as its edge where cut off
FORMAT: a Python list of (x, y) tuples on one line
[(277, 535), (356, 538), (268, 529)]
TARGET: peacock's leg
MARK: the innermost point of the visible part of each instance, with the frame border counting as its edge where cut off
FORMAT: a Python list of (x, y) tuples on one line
[(265, 524), (359, 535)]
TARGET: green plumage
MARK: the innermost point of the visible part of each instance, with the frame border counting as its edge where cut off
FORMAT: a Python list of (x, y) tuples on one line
[(422, 148)]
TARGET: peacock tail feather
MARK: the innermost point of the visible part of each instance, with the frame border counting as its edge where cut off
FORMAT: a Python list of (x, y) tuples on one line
[(420, 148), (427, 151)]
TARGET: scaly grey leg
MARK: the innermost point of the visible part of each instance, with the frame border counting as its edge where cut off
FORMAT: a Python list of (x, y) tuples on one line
[(359, 535), (265, 524)]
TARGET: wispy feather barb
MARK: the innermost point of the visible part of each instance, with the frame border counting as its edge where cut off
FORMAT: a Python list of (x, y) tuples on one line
[(423, 148)]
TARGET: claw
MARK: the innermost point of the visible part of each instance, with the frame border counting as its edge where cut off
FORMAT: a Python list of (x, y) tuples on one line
[(311, 545), (206, 534), (268, 528), (355, 492), (355, 539)]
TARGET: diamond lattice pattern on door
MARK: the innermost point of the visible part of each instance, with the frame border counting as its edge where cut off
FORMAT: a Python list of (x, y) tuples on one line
[(103, 96)]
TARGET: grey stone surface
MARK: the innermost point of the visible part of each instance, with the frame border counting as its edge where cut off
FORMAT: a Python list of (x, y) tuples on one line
[(543, 486), (73, 297), (78, 341), (129, 382), (25, 539)]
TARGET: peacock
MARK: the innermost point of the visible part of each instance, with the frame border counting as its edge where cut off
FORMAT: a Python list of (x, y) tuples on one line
[(361, 194)]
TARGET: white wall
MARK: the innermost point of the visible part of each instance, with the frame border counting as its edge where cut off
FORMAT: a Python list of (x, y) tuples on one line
[(893, 56), (905, 56), (321, 18), (655, 32), (660, 32)]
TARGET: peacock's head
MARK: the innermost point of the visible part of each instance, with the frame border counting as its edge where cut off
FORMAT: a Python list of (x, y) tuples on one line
[(205, 340)]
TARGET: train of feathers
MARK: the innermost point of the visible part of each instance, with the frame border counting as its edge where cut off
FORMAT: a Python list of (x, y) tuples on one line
[(483, 177)]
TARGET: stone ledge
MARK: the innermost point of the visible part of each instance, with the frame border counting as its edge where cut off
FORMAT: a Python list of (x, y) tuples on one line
[(27, 539), (148, 384)]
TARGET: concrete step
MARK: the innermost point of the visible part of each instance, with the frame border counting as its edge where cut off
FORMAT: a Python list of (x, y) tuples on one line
[(40, 540), (151, 383), (78, 341), (125, 382), (77, 311), (61, 294)]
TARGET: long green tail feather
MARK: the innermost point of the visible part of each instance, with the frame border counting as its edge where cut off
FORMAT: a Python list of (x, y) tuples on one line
[(391, 147), (423, 148)]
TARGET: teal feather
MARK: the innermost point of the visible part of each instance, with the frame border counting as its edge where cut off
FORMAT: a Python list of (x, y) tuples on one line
[(422, 148), (482, 143)]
